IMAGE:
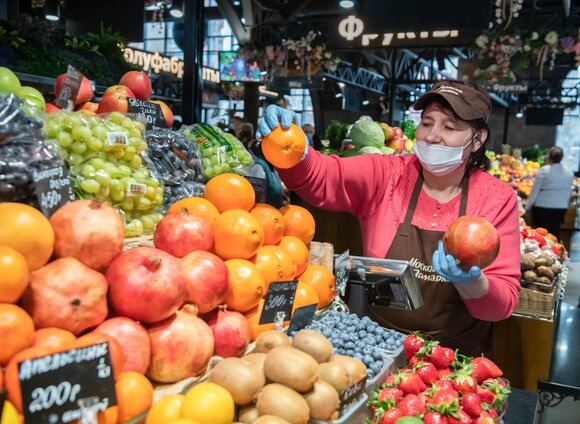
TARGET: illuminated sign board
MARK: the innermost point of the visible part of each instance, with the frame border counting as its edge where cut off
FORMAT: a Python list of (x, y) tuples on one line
[(158, 63), (352, 28)]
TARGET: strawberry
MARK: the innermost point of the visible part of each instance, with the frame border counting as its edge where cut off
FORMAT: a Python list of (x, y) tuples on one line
[(444, 372), (485, 395), (471, 403), (434, 418), (442, 357), (444, 385), (415, 360), (459, 417), (412, 345), (391, 416), (445, 398), (464, 382), (499, 390), (411, 405), (484, 418), (391, 380), (427, 372), (389, 393), (485, 368), (411, 383)]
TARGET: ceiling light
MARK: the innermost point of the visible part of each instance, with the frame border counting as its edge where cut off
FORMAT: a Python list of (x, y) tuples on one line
[(338, 95), (236, 3), (52, 11), (52, 18), (346, 4), (519, 112), (366, 102), (176, 13)]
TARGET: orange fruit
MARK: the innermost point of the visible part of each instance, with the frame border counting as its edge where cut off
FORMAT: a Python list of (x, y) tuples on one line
[(134, 395), (115, 349), (165, 409), (208, 403), (108, 416), (272, 221), (230, 191), (298, 250), (284, 148), (28, 231), (13, 274), (275, 264), (12, 380), (299, 223), (237, 235), (54, 338), (197, 206), (322, 280), (246, 285), (253, 317), (16, 331), (305, 295)]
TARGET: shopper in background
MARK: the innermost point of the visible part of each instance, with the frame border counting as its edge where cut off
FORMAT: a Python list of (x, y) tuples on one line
[(309, 133), (235, 125), (406, 203), (550, 194)]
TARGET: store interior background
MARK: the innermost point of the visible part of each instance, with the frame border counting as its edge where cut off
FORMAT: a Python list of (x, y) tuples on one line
[(345, 102)]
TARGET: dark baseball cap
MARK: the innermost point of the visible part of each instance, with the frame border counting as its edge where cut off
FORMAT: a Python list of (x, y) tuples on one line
[(467, 102)]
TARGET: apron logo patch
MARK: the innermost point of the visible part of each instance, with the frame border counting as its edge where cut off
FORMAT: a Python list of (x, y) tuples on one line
[(426, 272)]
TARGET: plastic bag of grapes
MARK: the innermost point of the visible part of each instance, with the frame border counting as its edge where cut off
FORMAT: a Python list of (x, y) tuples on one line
[(23, 150), (107, 156), (220, 152)]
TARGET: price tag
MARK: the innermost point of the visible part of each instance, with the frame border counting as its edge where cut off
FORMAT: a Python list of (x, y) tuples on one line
[(118, 138), (70, 89), (53, 189), (302, 317), (53, 385), (260, 187), (342, 268), (351, 395), (151, 111), (279, 298), (136, 190)]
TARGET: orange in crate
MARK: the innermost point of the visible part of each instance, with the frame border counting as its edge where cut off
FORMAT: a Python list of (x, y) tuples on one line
[(14, 275), (299, 223), (305, 295), (284, 148), (237, 235), (272, 221), (197, 206), (246, 285), (276, 264), (299, 251), (134, 395), (323, 282), (230, 191), (54, 338), (16, 331)]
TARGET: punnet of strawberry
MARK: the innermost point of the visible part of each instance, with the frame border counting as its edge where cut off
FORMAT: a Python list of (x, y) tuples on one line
[(440, 386)]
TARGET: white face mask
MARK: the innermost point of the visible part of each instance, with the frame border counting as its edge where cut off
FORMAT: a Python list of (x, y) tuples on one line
[(440, 160)]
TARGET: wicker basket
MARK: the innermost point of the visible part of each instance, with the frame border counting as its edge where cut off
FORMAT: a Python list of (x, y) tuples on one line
[(141, 241), (322, 254), (537, 304)]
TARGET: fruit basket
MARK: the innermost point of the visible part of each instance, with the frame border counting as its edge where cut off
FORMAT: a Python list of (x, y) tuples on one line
[(537, 303)]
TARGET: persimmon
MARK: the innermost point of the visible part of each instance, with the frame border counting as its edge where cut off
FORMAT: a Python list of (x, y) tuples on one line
[(284, 148)]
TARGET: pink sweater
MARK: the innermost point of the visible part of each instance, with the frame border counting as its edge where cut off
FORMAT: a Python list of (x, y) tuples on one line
[(377, 189)]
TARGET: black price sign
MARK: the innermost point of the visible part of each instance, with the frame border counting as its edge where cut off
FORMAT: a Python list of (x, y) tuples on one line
[(260, 187), (351, 395), (54, 386), (53, 189), (302, 317), (151, 112), (70, 89), (279, 298), (342, 271)]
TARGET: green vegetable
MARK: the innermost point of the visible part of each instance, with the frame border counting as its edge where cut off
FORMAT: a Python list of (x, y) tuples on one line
[(367, 133), (408, 127), (387, 150), (328, 151), (335, 133), (370, 150)]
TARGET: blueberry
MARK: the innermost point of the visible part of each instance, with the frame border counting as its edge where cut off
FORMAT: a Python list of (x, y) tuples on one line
[(377, 355), (349, 345), (371, 341), (382, 345), (358, 356), (362, 334), (349, 352), (368, 359)]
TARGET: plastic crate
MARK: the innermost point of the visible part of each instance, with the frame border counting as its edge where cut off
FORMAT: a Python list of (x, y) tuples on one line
[(388, 367), (354, 415), (398, 357)]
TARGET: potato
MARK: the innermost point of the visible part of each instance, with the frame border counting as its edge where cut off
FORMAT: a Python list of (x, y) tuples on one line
[(530, 276), (556, 267), (544, 280), (540, 262), (527, 262), (544, 271)]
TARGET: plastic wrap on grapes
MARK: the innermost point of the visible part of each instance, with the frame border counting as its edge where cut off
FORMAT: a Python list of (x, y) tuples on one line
[(23, 150), (177, 160), (107, 157), (220, 152)]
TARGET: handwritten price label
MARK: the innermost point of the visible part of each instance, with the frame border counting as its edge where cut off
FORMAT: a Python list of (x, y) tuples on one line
[(342, 271), (54, 386), (53, 189), (350, 395), (279, 299), (70, 89), (151, 112)]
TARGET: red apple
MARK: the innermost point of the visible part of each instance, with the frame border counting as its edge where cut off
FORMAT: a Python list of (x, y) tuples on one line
[(85, 93), (398, 144), (139, 83), (120, 89), (472, 240), (207, 278), (396, 132), (51, 107), (167, 113), (113, 102)]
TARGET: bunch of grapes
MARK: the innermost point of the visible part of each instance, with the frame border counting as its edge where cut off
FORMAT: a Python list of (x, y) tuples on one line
[(104, 157), (220, 152), (362, 339)]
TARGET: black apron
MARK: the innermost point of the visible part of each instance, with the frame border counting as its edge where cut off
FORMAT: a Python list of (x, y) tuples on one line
[(443, 315)]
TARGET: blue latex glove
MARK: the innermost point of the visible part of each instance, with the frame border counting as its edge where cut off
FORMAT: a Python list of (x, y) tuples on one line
[(445, 265), (275, 115)]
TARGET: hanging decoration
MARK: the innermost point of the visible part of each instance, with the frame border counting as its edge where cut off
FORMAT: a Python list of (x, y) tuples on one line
[(506, 11)]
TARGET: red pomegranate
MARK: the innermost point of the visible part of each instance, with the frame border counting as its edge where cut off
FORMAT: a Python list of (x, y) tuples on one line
[(231, 331), (182, 233), (89, 231), (181, 347), (133, 338), (146, 284), (472, 240), (208, 279), (66, 294)]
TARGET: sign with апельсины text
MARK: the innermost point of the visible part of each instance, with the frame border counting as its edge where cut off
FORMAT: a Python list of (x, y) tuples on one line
[(279, 300)]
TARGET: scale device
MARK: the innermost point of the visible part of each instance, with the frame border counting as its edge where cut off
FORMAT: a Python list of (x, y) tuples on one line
[(380, 282)]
